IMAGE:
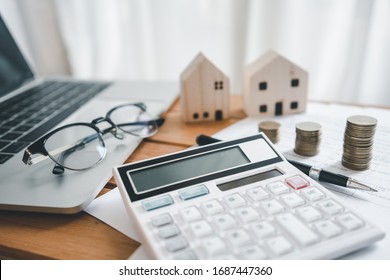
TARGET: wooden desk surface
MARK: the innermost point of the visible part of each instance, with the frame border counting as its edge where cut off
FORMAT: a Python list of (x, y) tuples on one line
[(81, 236)]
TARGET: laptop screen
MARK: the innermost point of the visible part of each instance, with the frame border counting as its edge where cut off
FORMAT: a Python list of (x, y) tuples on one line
[(14, 70)]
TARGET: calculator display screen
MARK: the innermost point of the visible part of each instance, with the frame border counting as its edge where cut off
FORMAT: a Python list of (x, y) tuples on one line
[(180, 170)]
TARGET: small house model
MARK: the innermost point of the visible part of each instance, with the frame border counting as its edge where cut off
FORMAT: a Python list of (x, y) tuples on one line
[(274, 86), (205, 92)]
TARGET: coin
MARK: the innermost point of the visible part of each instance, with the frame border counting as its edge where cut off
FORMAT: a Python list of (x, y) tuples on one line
[(308, 138), (271, 129), (358, 142)]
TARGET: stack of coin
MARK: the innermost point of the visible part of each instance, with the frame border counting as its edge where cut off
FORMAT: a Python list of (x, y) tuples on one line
[(358, 142), (308, 138), (271, 129)]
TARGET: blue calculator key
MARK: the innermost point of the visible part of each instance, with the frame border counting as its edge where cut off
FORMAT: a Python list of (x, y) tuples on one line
[(159, 202), (193, 192)]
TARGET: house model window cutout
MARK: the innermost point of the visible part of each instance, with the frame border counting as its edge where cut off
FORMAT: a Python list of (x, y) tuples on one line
[(205, 92), (274, 86)]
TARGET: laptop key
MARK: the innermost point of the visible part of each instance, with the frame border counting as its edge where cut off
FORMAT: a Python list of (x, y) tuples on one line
[(15, 147), (4, 158), (11, 136), (3, 144)]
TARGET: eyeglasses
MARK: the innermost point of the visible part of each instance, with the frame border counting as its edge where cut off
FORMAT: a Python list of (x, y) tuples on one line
[(80, 146)]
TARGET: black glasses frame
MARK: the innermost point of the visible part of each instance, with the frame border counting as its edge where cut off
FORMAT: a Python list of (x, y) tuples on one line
[(38, 147)]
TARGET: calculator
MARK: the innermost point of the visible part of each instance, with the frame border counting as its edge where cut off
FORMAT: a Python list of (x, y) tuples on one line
[(237, 199)]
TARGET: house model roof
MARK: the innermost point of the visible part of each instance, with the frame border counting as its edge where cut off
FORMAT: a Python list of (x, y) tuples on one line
[(196, 62), (264, 60)]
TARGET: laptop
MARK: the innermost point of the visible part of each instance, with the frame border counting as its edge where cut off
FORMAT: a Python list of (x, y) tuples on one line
[(30, 107)]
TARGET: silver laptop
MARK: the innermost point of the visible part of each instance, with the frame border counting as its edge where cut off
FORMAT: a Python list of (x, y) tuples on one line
[(30, 107)]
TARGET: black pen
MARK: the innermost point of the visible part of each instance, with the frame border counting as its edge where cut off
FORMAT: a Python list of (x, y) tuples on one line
[(317, 174)]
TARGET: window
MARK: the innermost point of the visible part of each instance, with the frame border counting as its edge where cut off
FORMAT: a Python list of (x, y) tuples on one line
[(263, 86), (205, 115), (263, 108), (195, 116), (295, 83), (218, 85), (294, 105)]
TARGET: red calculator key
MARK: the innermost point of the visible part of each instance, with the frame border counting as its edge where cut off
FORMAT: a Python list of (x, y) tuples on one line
[(297, 182)]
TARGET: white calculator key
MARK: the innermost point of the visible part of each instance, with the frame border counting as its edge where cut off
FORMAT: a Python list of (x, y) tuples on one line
[(263, 229), (234, 201), (309, 214), (225, 222), (253, 253), (201, 229), (247, 215), (278, 187), (350, 221), (293, 200), (176, 243), (330, 207), (279, 245), (257, 194), (191, 214), (328, 228), (214, 246), (168, 231), (297, 229), (212, 207), (238, 238), (187, 255), (312, 194), (161, 220), (272, 206)]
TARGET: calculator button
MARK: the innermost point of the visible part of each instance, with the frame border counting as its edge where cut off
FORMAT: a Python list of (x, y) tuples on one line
[(214, 246), (257, 194), (279, 245), (297, 229), (212, 207), (253, 253), (293, 200), (161, 220), (349, 221), (191, 214), (272, 206), (309, 214), (238, 238), (278, 188), (159, 202), (177, 243), (297, 182), (247, 215), (201, 229), (263, 229), (330, 207), (328, 229), (168, 231), (187, 255), (312, 193), (193, 192), (234, 201), (225, 222)]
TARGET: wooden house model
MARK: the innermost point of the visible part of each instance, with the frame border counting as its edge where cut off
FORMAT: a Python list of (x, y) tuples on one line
[(274, 86), (205, 92)]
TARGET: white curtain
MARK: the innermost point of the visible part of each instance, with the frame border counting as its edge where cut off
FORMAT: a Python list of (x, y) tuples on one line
[(344, 45)]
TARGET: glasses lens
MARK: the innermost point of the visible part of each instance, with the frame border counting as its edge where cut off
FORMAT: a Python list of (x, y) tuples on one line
[(134, 120), (76, 147)]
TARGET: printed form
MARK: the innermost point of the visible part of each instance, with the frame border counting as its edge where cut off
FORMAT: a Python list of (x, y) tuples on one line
[(333, 120)]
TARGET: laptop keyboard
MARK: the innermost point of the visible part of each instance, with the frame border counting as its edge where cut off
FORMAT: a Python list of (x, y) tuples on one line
[(29, 115)]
